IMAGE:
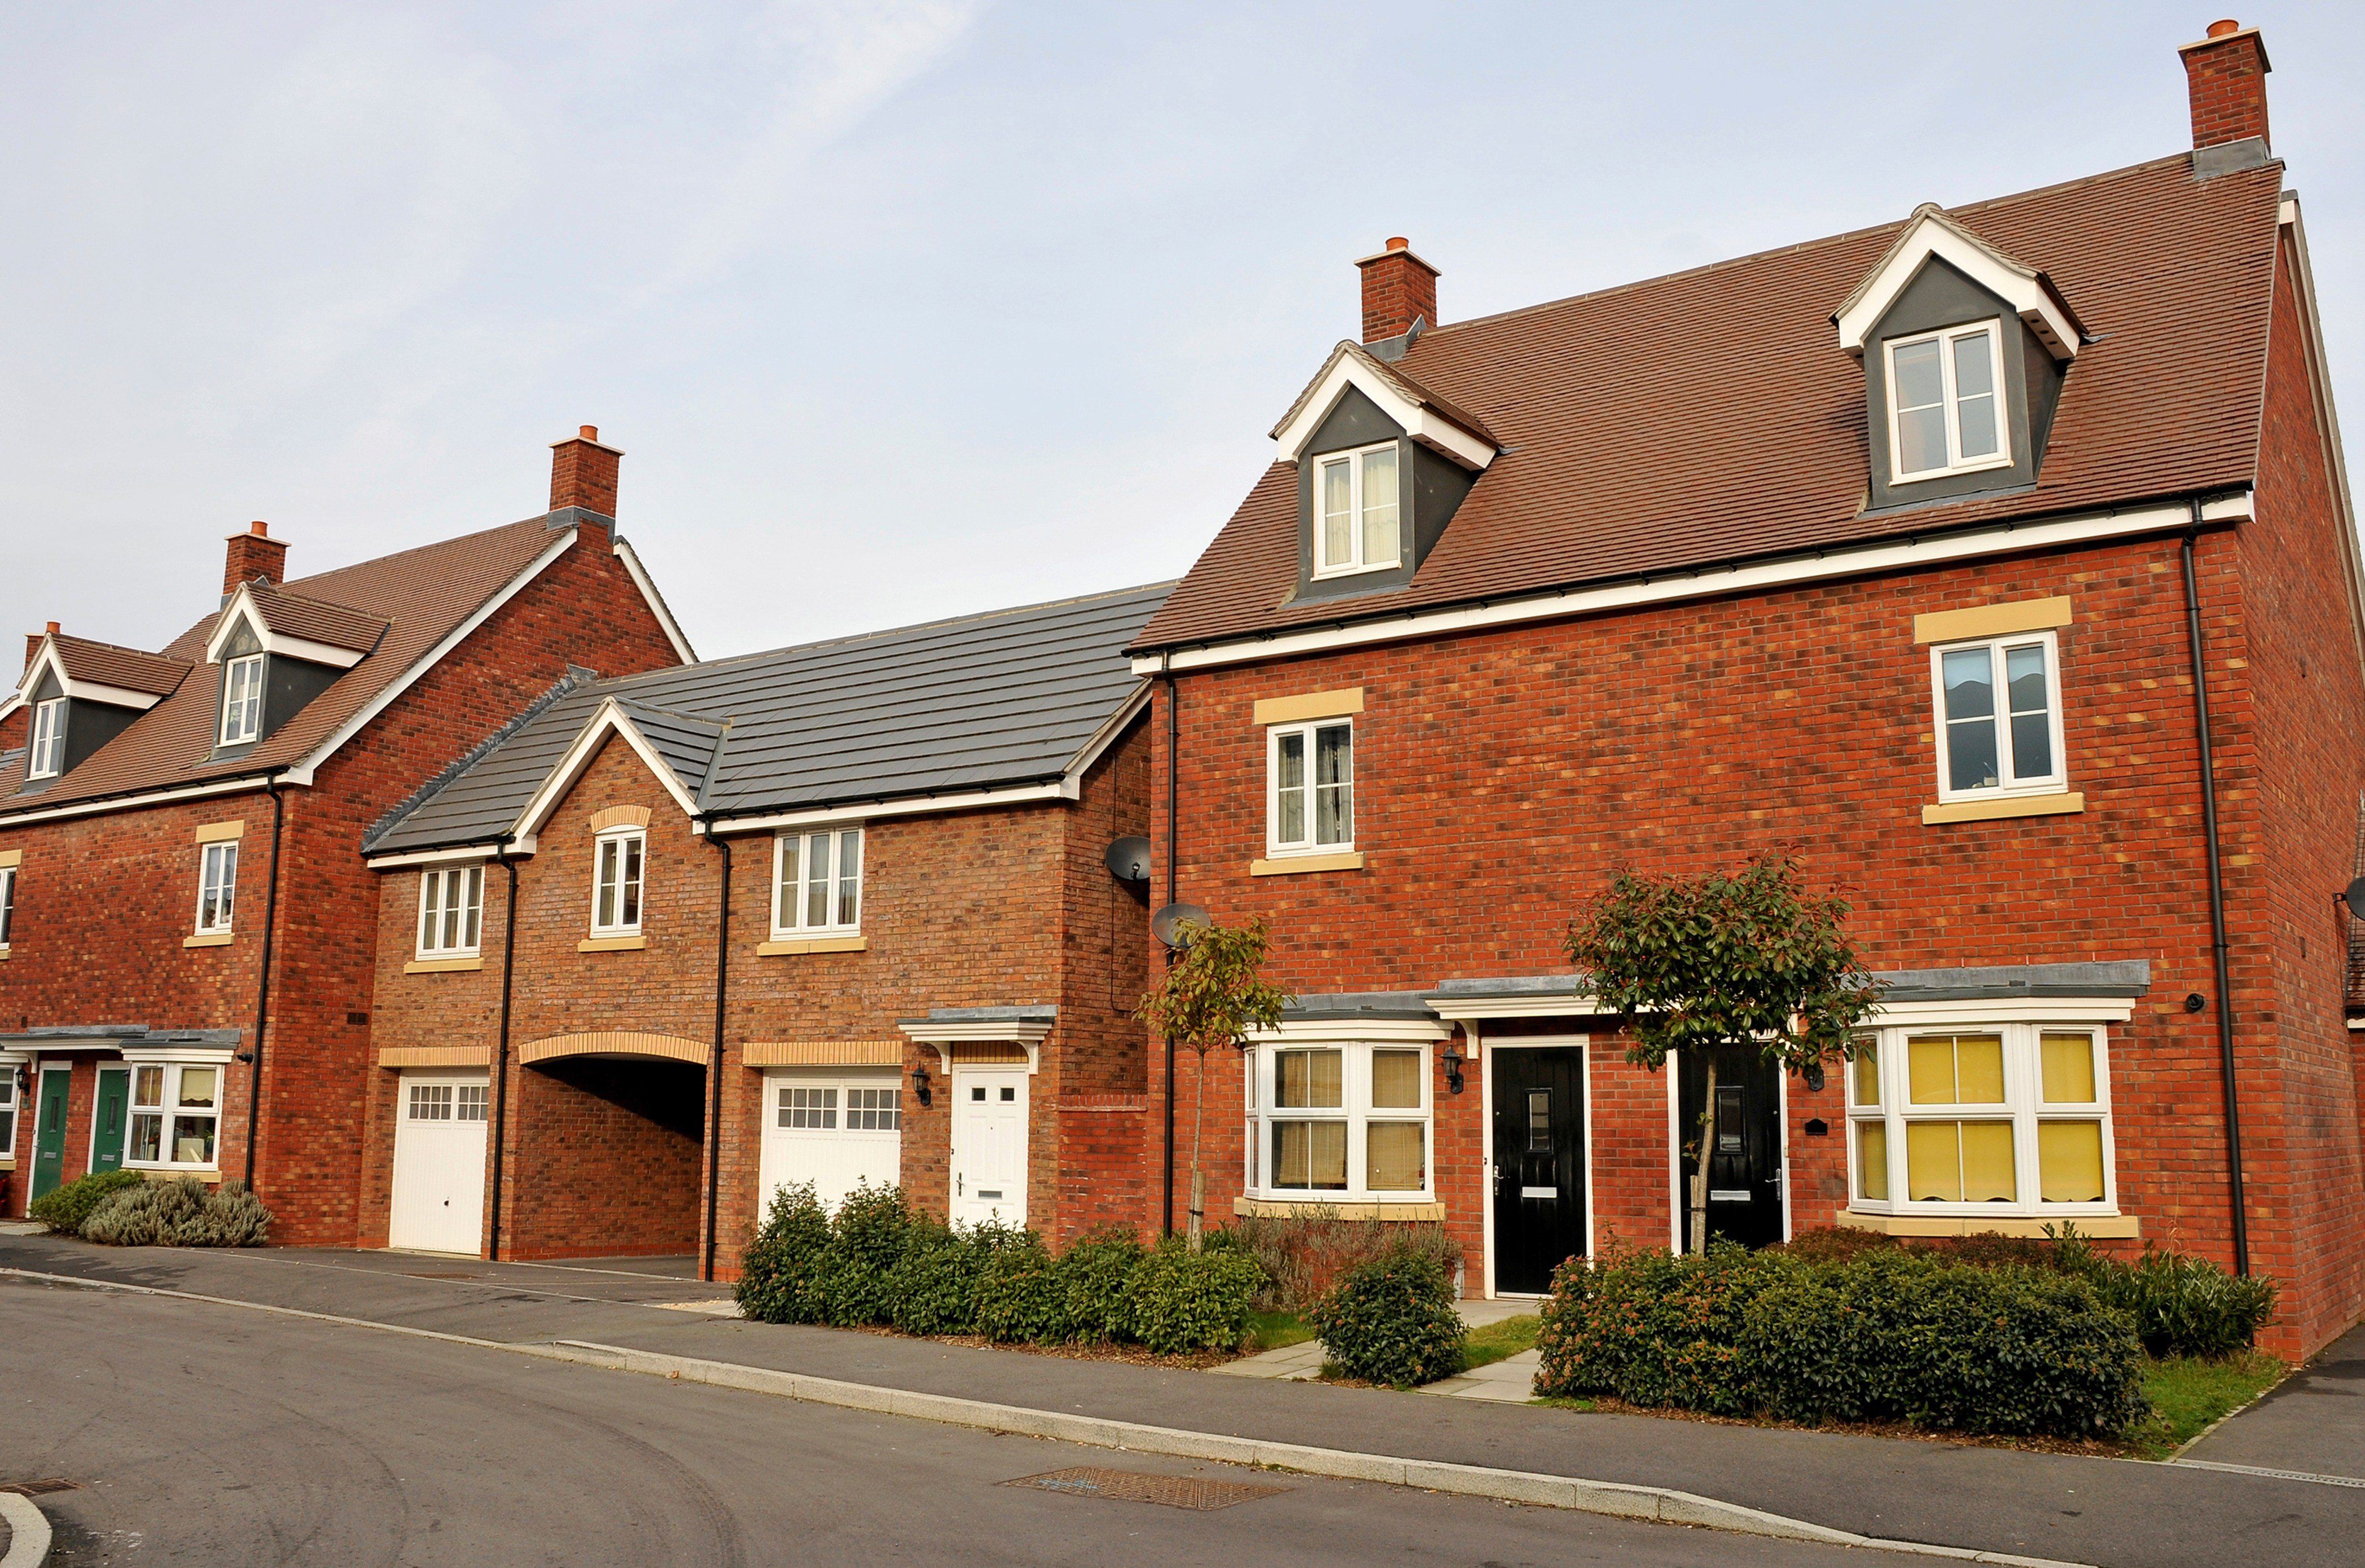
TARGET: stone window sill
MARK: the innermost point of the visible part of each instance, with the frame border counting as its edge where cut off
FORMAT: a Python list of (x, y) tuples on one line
[(1290, 1208), (2102, 1227), (209, 939), (442, 966), (611, 944), (210, 1175), (2003, 806), (4, 953), (1297, 865), (812, 944), (7, 1163)]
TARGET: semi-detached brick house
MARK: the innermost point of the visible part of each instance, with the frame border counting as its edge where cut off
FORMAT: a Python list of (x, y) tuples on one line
[(173, 823), (1916, 551), (853, 905)]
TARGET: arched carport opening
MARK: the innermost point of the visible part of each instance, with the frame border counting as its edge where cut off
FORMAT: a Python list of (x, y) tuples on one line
[(606, 1147)]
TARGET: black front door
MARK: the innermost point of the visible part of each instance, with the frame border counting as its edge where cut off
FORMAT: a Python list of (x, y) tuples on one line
[(1539, 1163), (1741, 1135)]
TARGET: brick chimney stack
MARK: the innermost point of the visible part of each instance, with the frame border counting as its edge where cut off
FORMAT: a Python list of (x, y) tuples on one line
[(252, 555), (583, 473), (1397, 287), (2227, 75)]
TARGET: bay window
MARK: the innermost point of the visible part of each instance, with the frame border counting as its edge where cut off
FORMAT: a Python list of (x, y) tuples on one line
[(451, 911), (1981, 1119), (1339, 1120), (176, 1110), (817, 883)]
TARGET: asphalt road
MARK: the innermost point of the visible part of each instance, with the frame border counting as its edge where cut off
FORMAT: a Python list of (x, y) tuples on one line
[(207, 1434)]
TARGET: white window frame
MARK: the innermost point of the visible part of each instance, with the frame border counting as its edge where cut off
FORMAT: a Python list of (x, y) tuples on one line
[(446, 893), (8, 1109), (241, 715), (620, 837), (1276, 847), (2023, 1106), (2009, 781), (1956, 462), (445, 1100), (1355, 1109), (1323, 566), (7, 910), (790, 907), (169, 1112), (45, 753), (217, 869)]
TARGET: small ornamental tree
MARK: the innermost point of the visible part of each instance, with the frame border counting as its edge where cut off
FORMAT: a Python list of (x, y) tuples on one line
[(1213, 995), (1696, 963)]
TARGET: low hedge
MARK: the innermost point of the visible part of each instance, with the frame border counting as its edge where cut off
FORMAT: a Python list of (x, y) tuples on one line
[(1887, 1335), (182, 1212), (878, 1262), (63, 1208), (1392, 1320)]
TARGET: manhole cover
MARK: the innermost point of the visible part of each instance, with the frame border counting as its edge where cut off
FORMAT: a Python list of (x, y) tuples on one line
[(35, 1488), (1135, 1486)]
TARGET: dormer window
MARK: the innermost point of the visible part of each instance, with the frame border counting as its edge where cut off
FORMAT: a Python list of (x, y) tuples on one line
[(49, 751), (1944, 416), (241, 699), (1360, 530)]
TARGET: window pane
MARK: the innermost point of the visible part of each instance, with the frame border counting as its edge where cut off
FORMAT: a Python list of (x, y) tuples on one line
[(2032, 745), (2070, 1069), (1309, 1080), (1971, 755), (1338, 515), (193, 1140), (2069, 1162), (1864, 1077), (1540, 1137), (1310, 1155), (630, 898), (603, 906), (1329, 1156), (148, 1086), (1921, 440), (1974, 366), (817, 858), (198, 1086), (1987, 1173), (1289, 763), (1872, 1161), (2027, 693), (1919, 383), (1979, 1069), (1380, 537), (1933, 1161), (1396, 1080), (1396, 1156), (146, 1138), (1334, 814), (785, 896), (850, 875), (1334, 754), (1969, 676), (476, 911), (1929, 1069), (1334, 773), (1975, 425)]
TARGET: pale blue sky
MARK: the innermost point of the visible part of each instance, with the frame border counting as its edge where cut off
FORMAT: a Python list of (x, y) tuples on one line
[(901, 310)]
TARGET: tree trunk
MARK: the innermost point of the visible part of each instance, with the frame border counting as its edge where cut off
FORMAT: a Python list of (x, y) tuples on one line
[(1699, 1165), (1198, 1182)]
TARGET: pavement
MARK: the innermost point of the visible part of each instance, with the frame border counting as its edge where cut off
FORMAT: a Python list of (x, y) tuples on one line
[(2064, 1508), (2313, 1424)]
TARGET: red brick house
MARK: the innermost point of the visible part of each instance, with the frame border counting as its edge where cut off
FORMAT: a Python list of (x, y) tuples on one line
[(852, 905), (1999, 562), (183, 910)]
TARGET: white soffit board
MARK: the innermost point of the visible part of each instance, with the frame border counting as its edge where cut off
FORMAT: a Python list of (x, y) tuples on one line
[(1932, 233), (1417, 419)]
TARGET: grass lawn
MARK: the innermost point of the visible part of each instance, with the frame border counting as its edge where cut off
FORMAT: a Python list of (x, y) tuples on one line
[(1500, 1341), (1271, 1330), (2188, 1395)]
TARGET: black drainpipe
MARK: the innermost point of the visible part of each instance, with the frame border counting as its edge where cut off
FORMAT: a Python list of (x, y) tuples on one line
[(501, 1048), (262, 986), (2216, 904), (714, 1071), (1173, 844)]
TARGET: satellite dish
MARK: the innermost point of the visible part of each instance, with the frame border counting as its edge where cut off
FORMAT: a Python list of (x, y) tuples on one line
[(1168, 924), (2356, 897), (1128, 859)]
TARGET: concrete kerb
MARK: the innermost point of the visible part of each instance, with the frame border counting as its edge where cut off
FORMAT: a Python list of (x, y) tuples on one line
[(1620, 1499), (29, 1532)]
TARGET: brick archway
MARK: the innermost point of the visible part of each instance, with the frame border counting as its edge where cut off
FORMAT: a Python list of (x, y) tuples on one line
[(615, 1043)]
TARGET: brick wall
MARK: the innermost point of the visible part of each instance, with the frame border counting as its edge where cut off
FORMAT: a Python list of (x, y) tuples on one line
[(614, 1158), (1502, 776)]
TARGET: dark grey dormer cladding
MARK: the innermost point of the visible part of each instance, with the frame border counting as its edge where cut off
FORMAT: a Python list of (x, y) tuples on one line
[(1429, 488), (1939, 297), (89, 725), (288, 685)]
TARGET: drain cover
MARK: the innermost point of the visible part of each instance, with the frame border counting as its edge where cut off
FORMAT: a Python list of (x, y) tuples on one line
[(35, 1488), (1137, 1486)]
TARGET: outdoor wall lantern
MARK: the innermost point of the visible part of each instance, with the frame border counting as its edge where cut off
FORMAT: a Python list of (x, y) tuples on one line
[(919, 1090), (1452, 1060)]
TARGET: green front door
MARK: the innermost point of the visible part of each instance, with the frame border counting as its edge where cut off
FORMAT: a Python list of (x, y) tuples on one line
[(49, 1134), (114, 1101)]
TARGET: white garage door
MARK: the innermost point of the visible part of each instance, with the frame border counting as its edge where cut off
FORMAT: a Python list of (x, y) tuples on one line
[(834, 1130), (438, 1163)]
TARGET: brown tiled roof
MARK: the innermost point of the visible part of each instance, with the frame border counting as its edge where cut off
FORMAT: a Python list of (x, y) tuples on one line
[(316, 619), (420, 596), (1710, 416), (107, 664)]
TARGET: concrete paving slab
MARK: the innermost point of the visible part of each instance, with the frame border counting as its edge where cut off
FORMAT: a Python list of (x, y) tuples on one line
[(2313, 1423)]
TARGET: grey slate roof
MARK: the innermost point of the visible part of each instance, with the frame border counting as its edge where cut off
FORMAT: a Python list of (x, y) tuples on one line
[(983, 702)]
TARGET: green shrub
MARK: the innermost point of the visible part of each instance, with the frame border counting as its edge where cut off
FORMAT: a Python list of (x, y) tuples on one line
[(1021, 1295), (179, 1213), (1391, 1319), (64, 1208), (1179, 1300), (781, 1271), (2183, 1305), (866, 1242), (1892, 1334), (1095, 1284), (1303, 1253), (933, 1288)]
